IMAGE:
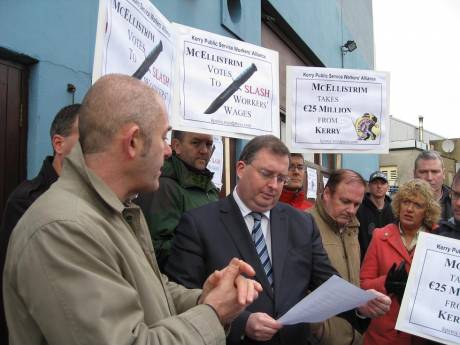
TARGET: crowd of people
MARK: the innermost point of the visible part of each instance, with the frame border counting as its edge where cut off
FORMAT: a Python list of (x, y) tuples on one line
[(122, 238)]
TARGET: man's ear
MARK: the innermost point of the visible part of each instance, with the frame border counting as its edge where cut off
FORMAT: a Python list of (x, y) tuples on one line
[(176, 145), (133, 143), (57, 142), (240, 166), (327, 193)]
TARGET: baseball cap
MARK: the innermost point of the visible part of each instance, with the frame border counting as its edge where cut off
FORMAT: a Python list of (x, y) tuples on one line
[(378, 174)]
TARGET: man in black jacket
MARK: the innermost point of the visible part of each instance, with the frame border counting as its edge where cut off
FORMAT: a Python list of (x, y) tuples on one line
[(429, 166), (64, 135), (375, 211), (451, 227)]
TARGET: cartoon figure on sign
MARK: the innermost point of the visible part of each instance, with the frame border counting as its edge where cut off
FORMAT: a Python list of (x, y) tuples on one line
[(367, 127)]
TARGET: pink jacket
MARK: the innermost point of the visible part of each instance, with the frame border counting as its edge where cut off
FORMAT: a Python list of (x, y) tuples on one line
[(386, 248)]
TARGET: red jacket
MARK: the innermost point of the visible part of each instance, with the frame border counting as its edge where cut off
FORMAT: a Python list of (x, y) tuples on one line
[(386, 248), (296, 200)]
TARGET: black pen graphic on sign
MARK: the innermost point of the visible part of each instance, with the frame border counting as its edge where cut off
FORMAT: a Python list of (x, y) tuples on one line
[(231, 89), (149, 60)]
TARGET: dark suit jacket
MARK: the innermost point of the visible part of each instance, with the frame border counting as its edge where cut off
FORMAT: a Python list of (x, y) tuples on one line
[(207, 238)]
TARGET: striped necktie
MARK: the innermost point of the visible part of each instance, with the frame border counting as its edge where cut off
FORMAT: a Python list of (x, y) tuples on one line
[(261, 246)]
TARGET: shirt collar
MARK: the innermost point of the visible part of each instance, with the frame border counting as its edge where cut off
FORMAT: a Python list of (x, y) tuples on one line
[(243, 208), (411, 245)]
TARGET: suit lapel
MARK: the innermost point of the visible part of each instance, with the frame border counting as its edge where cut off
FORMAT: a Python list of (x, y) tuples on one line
[(279, 238), (234, 224)]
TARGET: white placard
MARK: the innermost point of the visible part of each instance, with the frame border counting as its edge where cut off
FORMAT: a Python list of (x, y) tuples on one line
[(216, 163), (312, 183), (325, 179), (133, 32), (227, 87), (431, 303), (337, 110)]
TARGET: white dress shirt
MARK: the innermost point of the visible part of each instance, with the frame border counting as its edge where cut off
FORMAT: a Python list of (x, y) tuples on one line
[(249, 219)]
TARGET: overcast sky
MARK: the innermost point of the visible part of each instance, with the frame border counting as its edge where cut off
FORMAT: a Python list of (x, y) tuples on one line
[(418, 42)]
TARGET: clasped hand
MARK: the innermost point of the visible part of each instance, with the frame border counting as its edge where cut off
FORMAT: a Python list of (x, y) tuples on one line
[(229, 292)]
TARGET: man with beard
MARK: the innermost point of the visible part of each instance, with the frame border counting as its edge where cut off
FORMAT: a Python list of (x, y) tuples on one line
[(281, 243), (185, 183)]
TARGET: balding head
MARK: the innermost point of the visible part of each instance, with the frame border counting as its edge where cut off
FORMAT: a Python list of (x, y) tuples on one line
[(113, 101), (343, 194), (123, 131)]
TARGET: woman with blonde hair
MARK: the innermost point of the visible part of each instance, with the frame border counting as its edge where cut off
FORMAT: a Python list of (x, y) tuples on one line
[(389, 257)]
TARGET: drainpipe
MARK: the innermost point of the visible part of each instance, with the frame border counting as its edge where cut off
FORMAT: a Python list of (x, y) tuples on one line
[(420, 128)]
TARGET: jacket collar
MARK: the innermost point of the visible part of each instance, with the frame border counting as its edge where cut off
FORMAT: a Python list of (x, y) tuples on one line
[(445, 196), (451, 223), (75, 165), (291, 196), (187, 176), (393, 237), (47, 172), (330, 221), (368, 202)]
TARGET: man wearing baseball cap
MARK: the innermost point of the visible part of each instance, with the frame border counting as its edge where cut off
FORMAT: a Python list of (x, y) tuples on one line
[(375, 211)]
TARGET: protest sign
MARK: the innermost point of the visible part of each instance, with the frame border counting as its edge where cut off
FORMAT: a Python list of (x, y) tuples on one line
[(337, 110), (227, 87), (134, 38), (431, 303)]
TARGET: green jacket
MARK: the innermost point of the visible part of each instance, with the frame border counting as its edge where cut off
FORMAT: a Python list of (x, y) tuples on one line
[(181, 189), (80, 269)]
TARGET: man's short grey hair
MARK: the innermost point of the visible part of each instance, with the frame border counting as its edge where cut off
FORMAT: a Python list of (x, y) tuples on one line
[(113, 101), (428, 155)]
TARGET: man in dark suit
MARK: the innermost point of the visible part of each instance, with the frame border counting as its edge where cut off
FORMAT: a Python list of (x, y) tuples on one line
[(282, 244)]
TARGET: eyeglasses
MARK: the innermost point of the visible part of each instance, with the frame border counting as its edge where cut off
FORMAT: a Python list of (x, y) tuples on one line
[(270, 175), (407, 202), (299, 167), (454, 195)]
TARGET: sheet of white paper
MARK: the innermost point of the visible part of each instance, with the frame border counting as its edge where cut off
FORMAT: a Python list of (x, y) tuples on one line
[(312, 183), (333, 297)]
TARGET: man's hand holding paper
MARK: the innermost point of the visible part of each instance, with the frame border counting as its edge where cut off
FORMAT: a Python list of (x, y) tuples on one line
[(336, 296), (376, 307)]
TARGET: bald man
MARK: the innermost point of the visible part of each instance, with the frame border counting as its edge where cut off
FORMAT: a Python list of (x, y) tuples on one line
[(80, 266)]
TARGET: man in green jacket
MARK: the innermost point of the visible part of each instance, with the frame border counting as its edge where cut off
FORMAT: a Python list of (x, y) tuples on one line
[(80, 266), (185, 183)]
